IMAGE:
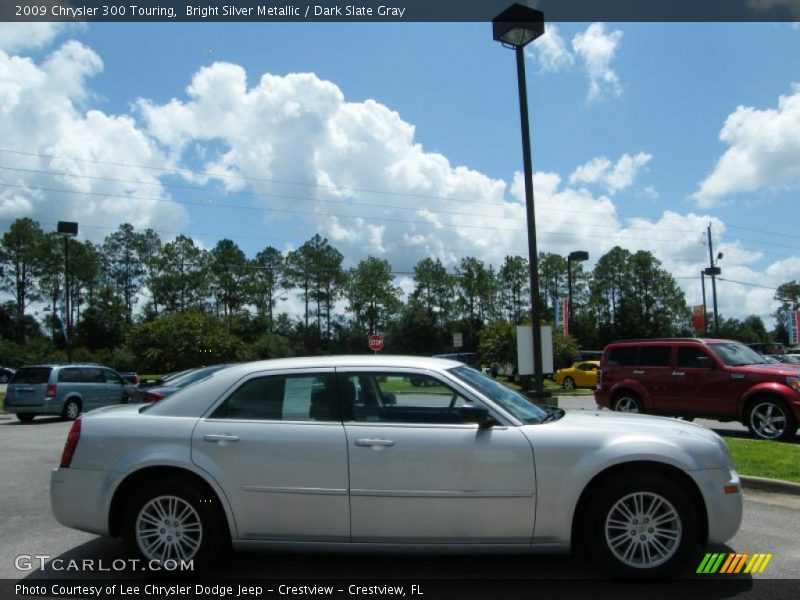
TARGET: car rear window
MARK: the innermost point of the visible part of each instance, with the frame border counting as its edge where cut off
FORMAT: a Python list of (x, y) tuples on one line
[(32, 375), (623, 356)]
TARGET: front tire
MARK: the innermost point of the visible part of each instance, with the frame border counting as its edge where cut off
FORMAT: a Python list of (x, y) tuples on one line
[(175, 521), (71, 410), (770, 419), (643, 526), (629, 403)]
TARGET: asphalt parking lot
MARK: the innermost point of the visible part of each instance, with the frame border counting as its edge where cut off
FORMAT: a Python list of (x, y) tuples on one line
[(30, 452)]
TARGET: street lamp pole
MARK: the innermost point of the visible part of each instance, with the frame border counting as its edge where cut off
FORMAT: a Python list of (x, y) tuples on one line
[(515, 27), (577, 256), (67, 229)]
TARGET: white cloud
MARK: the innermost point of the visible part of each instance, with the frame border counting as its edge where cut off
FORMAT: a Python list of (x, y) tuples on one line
[(763, 150), (597, 50), (15, 37), (551, 51), (60, 168), (614, 176)]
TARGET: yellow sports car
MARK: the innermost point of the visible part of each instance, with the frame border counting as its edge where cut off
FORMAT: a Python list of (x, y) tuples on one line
[(581, 374)]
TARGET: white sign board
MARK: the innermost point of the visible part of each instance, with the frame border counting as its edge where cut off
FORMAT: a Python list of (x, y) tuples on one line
[(525, 349), (458, 340)]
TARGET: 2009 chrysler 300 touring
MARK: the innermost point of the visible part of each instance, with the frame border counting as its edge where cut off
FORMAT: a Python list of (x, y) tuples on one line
[(346, 452)]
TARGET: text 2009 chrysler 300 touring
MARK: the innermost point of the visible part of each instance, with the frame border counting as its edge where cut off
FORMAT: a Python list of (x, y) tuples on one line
[(346, 452)]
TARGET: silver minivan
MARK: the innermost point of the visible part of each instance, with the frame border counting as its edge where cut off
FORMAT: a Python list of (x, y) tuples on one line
[(65, 390)]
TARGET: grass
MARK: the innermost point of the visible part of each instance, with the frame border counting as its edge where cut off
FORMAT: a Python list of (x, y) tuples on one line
[(766, 459)]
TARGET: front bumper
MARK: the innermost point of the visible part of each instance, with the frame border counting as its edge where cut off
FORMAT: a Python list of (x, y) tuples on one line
[(724, 510), (78, 499)]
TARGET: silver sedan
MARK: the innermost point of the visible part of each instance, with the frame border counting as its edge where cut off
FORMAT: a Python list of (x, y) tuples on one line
[(345, 452)]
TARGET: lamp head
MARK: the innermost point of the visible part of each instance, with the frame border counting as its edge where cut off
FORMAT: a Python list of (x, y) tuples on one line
[(518, 25)]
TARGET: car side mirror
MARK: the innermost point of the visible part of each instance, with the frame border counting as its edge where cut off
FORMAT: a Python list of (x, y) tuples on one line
[(477, 414), (704, 362), (389, 398)]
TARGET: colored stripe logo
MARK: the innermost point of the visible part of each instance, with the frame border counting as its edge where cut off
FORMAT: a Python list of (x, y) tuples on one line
[(734, 563)]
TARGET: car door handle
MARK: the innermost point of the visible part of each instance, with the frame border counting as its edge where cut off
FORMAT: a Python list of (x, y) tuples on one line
[(219, 437), (374, 443)]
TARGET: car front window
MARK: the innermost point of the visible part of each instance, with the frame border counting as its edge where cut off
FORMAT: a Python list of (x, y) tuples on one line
[(513, 402), (734, 354)]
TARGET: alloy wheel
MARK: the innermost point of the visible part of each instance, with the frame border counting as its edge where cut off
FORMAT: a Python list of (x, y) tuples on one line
[(768, 420), (168, 528), (643, 530)]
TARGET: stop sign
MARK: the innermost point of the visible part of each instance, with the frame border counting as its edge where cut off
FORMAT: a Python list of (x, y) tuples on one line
[(375, 342)]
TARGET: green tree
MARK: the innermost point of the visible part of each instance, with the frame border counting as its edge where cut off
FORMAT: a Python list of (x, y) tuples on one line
[(182, 341), (19, 257), (150, 250), (552, 279), (51, 264), (498, 344), (514, 288), (228, 276), (265, 282), (434, 289), (123, 266), (372, 295), (182, 282)]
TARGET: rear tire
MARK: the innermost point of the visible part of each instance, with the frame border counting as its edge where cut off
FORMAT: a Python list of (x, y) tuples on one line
[(25, 417), (770, 419), (178, 520), (628, 402), (71, 409), (569, 383), (643, 526)]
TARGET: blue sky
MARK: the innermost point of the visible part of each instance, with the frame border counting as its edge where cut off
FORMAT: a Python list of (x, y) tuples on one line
[(404, 141)]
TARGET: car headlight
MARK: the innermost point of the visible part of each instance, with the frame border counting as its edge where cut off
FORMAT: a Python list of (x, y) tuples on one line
[(794, 383)]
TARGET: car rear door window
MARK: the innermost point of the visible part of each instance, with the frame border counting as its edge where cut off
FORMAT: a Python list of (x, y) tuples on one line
[(655, 356), (70, 375), (282, 398)]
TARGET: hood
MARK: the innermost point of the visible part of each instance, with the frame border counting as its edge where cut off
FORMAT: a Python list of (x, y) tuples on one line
[(612, 422), (770, 369)]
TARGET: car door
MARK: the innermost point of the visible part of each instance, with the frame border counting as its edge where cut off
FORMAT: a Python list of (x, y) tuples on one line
[(708, 388), (114, 387), (277, 447), (92, 388), (586, 375), (654, 372), (419, 475)]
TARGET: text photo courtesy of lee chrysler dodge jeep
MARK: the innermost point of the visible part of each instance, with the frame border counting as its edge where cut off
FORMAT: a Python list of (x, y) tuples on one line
[(689, 377)]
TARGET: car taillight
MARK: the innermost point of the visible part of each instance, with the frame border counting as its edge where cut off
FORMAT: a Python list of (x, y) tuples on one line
[(71, 443), (599, 378), (50, 392), (135, 380), (154, 396)]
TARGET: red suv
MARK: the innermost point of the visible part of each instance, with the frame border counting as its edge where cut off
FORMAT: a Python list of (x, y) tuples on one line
[(689, 377)]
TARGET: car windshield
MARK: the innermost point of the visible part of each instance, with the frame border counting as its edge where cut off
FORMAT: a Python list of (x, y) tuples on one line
[(515, 403), (735, 354)]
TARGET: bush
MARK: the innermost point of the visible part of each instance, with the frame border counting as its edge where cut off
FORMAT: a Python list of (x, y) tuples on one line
[(182, 341)]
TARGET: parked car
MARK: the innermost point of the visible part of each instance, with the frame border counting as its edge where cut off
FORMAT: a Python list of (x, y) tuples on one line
[(338, 451), (65, 390), (582, 374), (130, 377), (768, 348), (791, 359), (172, 384), (6, 374), (689, 377)]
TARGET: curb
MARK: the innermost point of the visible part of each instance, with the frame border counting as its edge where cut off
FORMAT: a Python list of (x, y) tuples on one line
[(764, 484)]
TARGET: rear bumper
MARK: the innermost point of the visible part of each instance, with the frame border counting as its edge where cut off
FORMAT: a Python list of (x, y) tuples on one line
[(602, 398), (78, 499), (51, 406)]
